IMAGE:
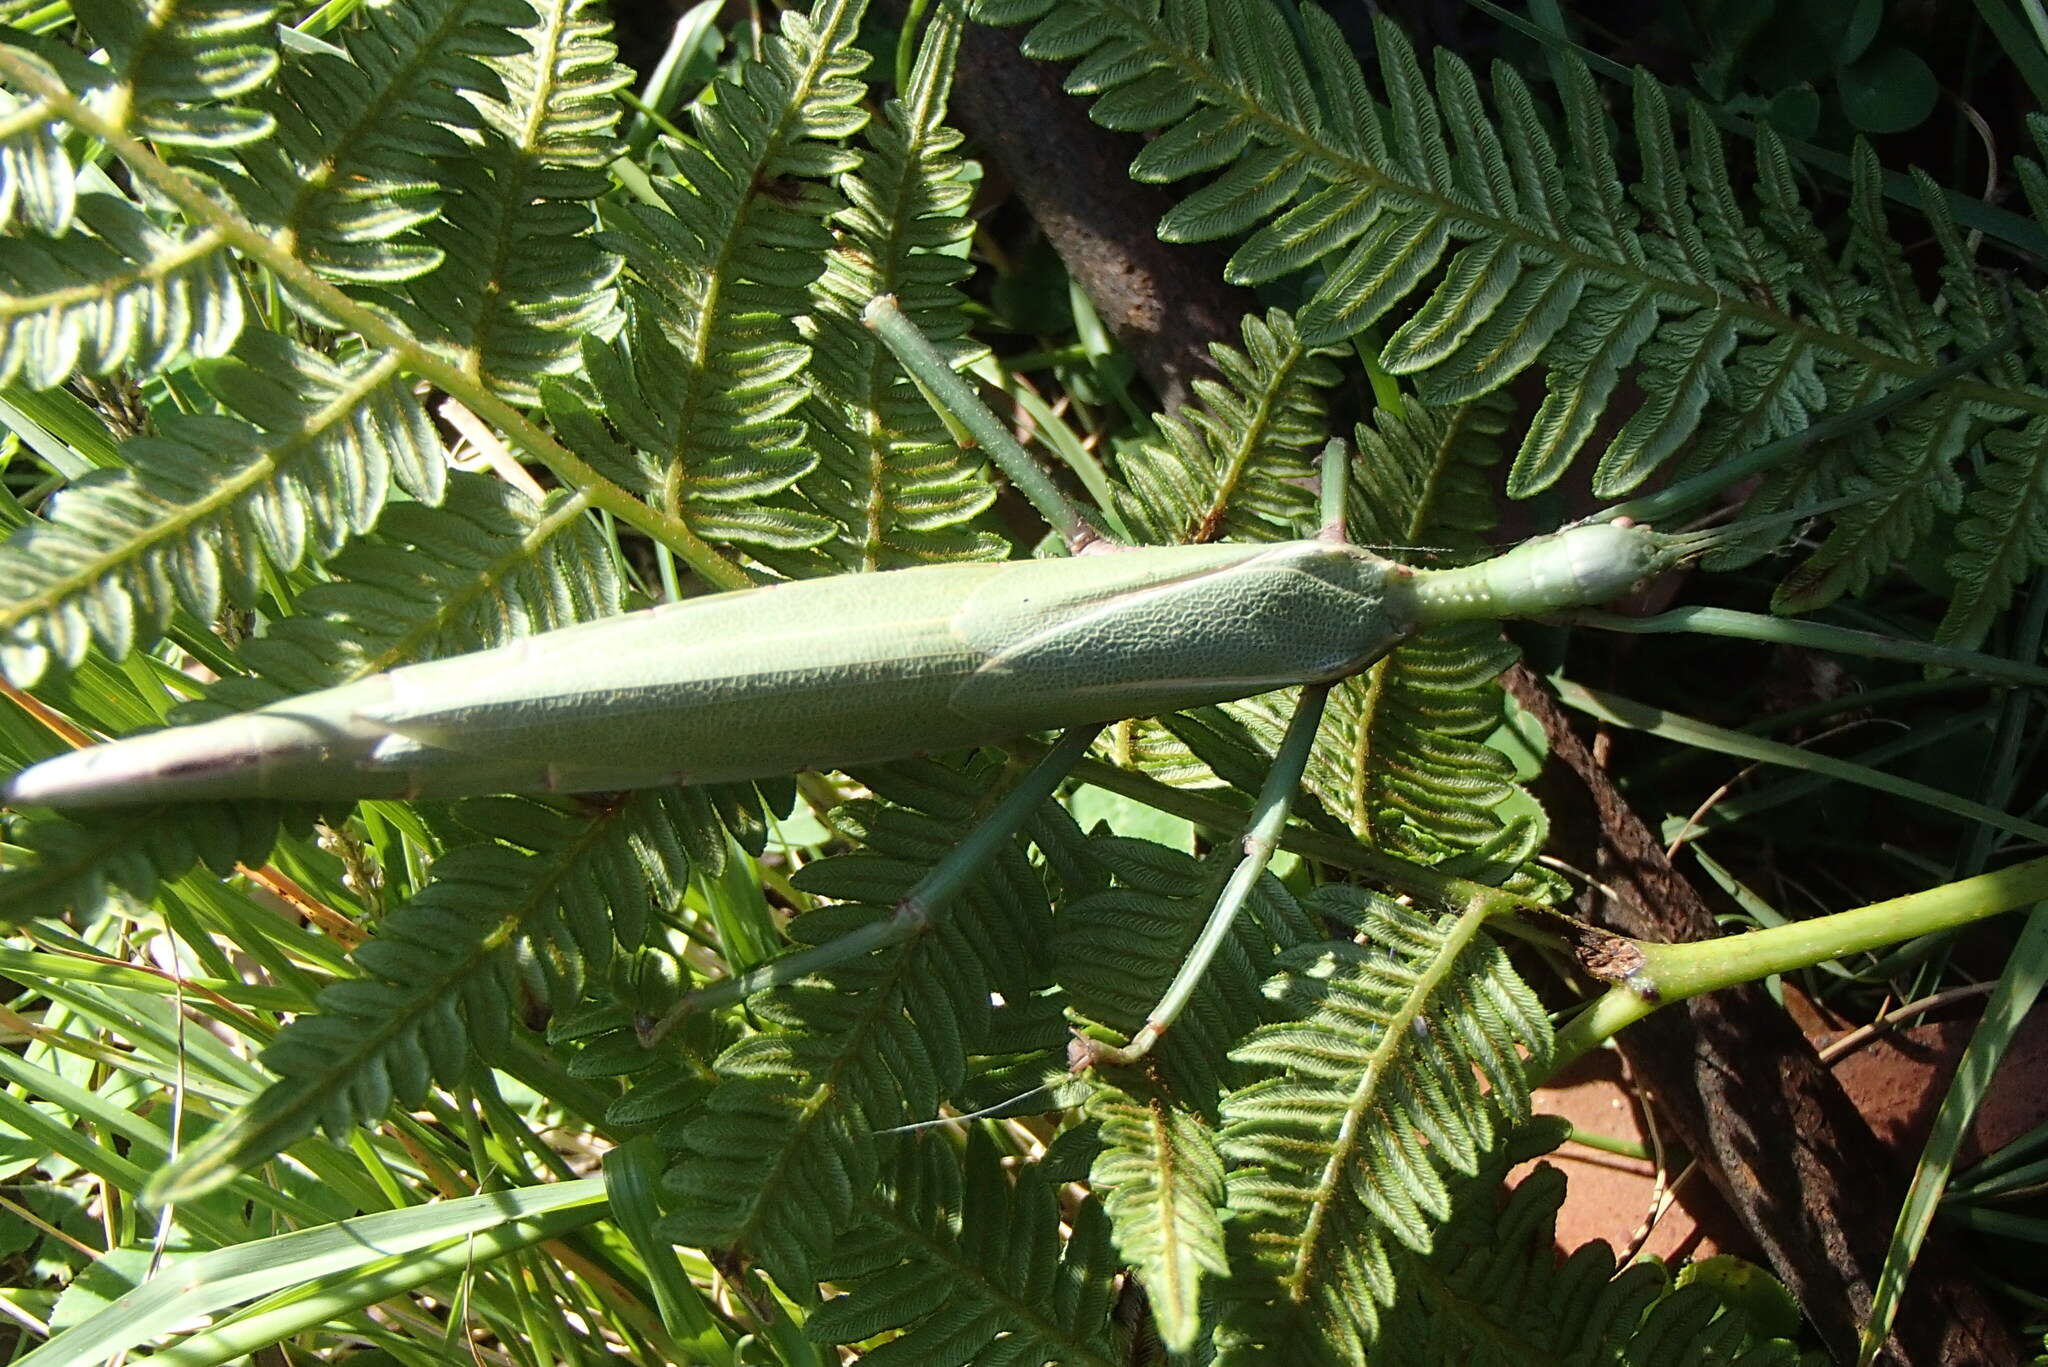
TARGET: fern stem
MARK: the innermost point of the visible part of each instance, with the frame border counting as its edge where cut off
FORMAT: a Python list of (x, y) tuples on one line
[(1673, 972), (373, 326)]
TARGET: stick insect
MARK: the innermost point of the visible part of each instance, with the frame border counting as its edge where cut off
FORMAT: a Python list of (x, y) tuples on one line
[(828, 673)]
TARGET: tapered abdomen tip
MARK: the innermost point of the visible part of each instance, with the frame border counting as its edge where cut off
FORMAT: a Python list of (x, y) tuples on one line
[(78, 779)]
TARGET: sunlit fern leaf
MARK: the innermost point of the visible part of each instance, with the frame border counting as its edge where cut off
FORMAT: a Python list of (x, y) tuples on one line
[(969, 1268), (1116, 950), (521, 279), (777, 1160), (310, 454), (117, 290), (182, 67), (889, 472), (1160, 1176), (38, 184), (1404, 1059), (364, 129), (1235, 464), (1507, 245), (523, 911), (704, 382)]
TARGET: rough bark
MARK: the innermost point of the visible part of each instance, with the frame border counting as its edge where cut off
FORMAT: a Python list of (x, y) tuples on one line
[(1748, 1096)]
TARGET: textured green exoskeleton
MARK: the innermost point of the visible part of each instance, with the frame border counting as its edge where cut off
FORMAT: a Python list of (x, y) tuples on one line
[(830, 672)]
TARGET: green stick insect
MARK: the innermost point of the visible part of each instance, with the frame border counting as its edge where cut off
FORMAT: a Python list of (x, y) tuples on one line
[(879, 667)]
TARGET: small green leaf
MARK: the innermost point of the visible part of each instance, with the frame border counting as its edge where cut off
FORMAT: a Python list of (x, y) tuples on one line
[(1887, 91)]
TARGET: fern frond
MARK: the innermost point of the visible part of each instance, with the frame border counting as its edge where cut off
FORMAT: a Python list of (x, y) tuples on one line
[(118, 290), (521, 278), (970, 1270), (181, 68), (363, 131), (1236, 465), (1491, 1292), (1512, 247), (701, 382), (890, 473), (1160, 1177), (38, 184), (788, 1144), (1402, 1062), (534, 906), (1402, 755), (307, 459)]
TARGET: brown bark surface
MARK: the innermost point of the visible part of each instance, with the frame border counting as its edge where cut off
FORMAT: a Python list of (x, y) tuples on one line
[(1745, 1093)]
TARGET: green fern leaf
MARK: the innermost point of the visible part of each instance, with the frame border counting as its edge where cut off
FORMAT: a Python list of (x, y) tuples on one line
[(1403, 1062), (969, 1268), (521, 278), (789, 1143), (363, 131), (307, 460), (1515, 247), (1234, 464), (1490, 1292), (183, 66), (533, 906), (1160, 1176), (117, 291), (720, 271), (889, 472)]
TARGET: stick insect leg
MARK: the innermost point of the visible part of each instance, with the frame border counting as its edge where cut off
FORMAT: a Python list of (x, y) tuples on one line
[(1261, 838), (926, 898), (955, 398)]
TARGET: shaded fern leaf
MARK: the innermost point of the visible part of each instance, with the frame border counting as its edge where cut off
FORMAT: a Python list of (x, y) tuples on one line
[(1492, 1293), (1160, 1176), (182, 68), (366, 130), (787, 1146), (889, 472), (703, 383), (308, 459), (527, 911), (969, 1268), (1509, 246), (117, 290), (67, 864), (1402, 1061), (521, 278)]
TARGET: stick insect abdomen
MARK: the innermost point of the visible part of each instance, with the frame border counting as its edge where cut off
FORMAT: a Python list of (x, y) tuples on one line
[(817, 674)]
